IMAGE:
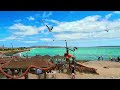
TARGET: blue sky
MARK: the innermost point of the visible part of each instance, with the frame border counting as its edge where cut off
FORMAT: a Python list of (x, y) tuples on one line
[(79, 28)]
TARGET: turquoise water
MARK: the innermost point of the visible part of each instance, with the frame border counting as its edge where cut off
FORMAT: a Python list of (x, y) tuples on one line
[(88, 53)]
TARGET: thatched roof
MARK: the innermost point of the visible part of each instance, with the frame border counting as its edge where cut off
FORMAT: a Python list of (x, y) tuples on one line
[(26, 63), (41, 57), (42, 63), (6, 58), (36, 57), (3, 61), (58, 57), (47, 56), (16, 64)]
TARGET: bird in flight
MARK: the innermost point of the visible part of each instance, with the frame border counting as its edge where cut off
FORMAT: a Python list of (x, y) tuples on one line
[(50, 29), (107, 30)]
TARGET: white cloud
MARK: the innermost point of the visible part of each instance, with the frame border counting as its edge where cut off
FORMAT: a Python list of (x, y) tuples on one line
[(91, 27), (72, 11), (2, 40), (116, 12), (45, 15), (29, 41), (19, 20), (87, 28), (46, 39), (108, 16), (37, 15), (24, 30), (31, 18), (88, 24), (12, 38), (53, 21)]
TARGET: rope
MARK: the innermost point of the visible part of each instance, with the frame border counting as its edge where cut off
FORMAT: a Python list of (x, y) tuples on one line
[(25, 73)]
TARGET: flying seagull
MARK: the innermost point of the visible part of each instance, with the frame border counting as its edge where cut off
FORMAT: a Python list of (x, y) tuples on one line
[(106, 26), (50, 29), (106, 30), (73, 49)]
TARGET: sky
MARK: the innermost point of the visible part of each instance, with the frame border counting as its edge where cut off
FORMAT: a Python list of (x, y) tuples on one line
[(79, 28)]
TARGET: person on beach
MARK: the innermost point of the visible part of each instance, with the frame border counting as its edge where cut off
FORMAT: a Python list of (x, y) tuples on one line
[(111, 58), (9, 72), (39, 72), (58, 64), (102, 58), (73, 71), (98, 58), (73, 60), (118, 59)]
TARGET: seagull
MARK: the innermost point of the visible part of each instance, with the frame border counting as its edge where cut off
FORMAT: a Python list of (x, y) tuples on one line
[(107, 30), (75, 48), (50, 29)]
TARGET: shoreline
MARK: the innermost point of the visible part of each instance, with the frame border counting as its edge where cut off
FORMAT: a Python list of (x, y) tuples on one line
[(12, 52)]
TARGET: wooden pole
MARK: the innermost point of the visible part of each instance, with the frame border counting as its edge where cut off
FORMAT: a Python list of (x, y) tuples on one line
[(45, 75)]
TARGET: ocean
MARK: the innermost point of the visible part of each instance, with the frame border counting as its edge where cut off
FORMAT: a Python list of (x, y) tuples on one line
[(83, 53)]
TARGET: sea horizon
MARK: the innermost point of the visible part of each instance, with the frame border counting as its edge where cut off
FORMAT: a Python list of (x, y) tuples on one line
[(59, 46)]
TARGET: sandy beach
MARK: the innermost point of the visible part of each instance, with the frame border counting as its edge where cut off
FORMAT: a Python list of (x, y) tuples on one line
[(106, 70)]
